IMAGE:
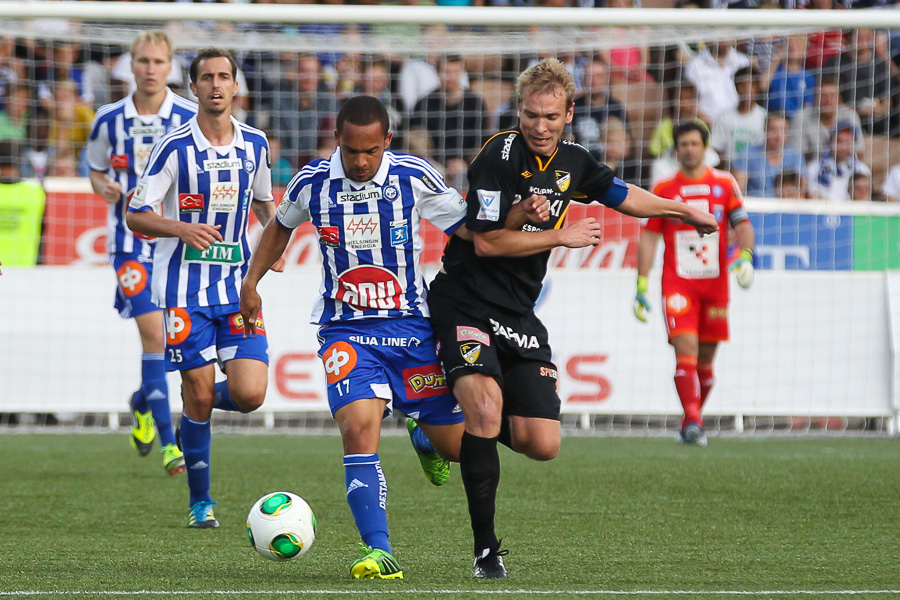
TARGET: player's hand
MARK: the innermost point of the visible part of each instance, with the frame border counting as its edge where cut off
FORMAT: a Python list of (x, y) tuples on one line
[(743, 268), (278, 265), (537, 208), (112, 191), (641, 305), (250, 305), (200, 235), (701, 220), (585, 232)]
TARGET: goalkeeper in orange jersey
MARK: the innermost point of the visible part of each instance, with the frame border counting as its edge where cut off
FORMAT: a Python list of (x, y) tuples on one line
[(695, 277)]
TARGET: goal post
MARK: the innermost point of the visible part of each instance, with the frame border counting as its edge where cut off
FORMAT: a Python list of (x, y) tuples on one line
[(813, 342)]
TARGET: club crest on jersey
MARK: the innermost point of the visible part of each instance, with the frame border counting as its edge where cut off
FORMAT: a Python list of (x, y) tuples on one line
[(363, 232), (249, 166), (222, 164), (329, 236), (358, 196), (191, 203), (470, 352), (718, 211), (399, 232), (390, 193), (369, 288), (717, 191), (563, 179), (119, 162)]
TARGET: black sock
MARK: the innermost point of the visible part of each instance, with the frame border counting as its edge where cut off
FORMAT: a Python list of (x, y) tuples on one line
[(479, 465), (505, 436)]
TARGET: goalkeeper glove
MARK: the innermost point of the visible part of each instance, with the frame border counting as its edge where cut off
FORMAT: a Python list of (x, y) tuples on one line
[(641, 307), (743, 268)]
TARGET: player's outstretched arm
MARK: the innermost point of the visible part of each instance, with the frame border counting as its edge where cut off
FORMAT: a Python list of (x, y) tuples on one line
[(641, 203), (506, 242), (645, 254), (534, 208), (196, 235), (271, 247)]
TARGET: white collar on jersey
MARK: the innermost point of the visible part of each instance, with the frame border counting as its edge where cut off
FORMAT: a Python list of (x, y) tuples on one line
[(165, 111), (337, 170), (203, 144)]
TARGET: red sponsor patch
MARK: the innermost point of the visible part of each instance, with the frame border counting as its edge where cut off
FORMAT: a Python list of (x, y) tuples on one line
[(424, 382), (191, 203), (464, 334), (369, 288), (330, 236), (119, 162), (236, 323)]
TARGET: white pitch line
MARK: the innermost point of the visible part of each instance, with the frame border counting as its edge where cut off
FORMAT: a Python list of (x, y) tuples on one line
[(434, 592)]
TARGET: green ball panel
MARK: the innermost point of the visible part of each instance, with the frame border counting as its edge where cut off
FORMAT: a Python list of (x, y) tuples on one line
[(285, 545), (275, 504), (250, 536)]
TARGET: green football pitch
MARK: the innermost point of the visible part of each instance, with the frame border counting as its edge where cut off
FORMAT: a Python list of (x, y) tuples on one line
[(81, 515)]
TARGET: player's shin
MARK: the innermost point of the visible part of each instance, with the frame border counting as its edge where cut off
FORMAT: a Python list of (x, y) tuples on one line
[(707, 380), (223, 400), (367, 497), (688, 385), (196, 437), (155, 389), (479, 464)]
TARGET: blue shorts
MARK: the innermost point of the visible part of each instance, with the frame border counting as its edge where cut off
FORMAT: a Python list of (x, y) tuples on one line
[(198, 336), (133, 289), (392, 359)]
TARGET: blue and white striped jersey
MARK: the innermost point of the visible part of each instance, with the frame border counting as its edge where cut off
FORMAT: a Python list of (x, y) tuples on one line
[(120, 144), (194, 182), (369, 233)]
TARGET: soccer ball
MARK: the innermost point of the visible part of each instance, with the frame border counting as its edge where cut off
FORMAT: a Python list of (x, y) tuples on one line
[(281, 526)]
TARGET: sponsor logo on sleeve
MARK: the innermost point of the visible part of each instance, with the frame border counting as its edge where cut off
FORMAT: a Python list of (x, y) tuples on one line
[(424, 382), (429, 183), (119, 162), (137, 196), (465, 334), (363, 232), (399, 232), (488, 205), (329, 235), (190, 203)]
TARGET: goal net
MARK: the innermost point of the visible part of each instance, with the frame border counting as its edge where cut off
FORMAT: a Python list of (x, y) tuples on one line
[(803, 110)]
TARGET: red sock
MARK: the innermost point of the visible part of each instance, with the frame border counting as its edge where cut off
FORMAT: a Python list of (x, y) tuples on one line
[(707, 380), (688, 385)]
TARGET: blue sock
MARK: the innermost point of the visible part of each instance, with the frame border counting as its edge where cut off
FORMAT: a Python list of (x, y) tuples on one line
[(223, 398), (155, 389), (367, 497), (195, 441), (421, 442)]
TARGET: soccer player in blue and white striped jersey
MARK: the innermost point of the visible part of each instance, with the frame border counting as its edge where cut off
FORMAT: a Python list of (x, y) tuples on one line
[(206, 176), (377, 346), (119, 147)]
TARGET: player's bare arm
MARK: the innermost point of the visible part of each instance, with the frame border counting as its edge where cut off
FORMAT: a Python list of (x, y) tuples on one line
[(743, 267), (645, 255), (534, 208), (641, 203), (271, 247), (196, 235), (505, 242), (265, 212), (108, 189)]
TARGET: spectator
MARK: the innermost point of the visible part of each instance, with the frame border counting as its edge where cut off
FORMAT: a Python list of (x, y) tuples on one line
[(756, 166), (303, 112), (861, 188), (10, 68), (831, 176), (791, 86), (746, 126), (21, 210), (890, 191), (616, 150), (593, 109), (453, 121), (823, 46), (14, 118), (866, 81), (375, 80), (812, 126), (627, 62), (789, 186), (712, 72), (66, 66), (69, 130), (282, 171), (681, 107)]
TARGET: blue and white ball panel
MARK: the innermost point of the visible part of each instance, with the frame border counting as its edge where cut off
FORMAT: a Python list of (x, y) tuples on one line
[(392, 359), (197, 336)]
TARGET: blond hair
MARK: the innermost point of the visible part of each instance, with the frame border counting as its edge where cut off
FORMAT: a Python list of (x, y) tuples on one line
[(152, 36), (548, 75)]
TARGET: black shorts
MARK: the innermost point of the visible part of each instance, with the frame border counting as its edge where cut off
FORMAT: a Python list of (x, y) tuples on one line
[(512, 348)]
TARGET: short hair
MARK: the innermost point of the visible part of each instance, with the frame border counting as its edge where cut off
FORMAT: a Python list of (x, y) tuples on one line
[(450, 58), (828, 79), (547, 75), (153, 36), (688, 126), (746, 73), (362, 111), (9, 153), (787, 178), (777, 114), (207, 53)]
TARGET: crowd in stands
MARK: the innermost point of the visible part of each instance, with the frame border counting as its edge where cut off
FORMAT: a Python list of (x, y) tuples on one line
[(808, 115)]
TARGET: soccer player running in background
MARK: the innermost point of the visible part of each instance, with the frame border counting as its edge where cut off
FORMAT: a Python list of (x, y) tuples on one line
[(695, 273), (377, 345), (206, 176), (122, 136), (493, 347)]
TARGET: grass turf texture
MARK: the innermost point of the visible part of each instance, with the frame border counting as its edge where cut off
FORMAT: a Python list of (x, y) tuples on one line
[(82, 512)]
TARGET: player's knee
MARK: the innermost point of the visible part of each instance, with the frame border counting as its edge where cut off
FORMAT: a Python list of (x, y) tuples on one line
[(249, 401), (542, 451), (198, 402)]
